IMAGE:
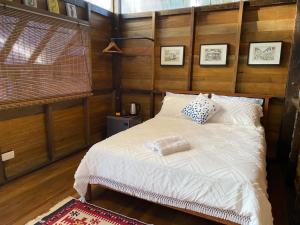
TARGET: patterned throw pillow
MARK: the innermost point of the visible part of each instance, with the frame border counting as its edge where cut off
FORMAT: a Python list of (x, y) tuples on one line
[(200, 109)]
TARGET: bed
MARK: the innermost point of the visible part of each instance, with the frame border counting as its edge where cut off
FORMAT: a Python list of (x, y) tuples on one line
[(222, 177)]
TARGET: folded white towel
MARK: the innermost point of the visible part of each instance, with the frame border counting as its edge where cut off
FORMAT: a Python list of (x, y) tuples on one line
[(168, 145)]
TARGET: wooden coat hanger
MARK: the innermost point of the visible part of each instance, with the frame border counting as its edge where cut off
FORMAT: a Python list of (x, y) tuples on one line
[(112, 48)]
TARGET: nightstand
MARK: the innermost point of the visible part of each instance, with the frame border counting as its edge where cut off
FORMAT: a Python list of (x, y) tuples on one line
[(115, 124)]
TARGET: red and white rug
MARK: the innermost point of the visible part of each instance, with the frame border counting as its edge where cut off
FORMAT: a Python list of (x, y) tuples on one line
[(73, 212)]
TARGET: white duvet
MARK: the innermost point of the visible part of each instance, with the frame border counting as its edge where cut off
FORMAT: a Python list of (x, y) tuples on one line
[(223, 175)]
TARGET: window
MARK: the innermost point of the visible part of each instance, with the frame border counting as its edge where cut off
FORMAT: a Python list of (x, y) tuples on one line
[(105, 4), (42, 59), (27, 43), (133, 6)]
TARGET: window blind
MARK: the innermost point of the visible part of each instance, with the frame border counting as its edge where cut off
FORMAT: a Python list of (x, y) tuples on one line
[(42, 59)]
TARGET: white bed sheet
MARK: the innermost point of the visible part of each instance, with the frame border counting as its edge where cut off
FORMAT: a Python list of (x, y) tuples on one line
[(225, 169)]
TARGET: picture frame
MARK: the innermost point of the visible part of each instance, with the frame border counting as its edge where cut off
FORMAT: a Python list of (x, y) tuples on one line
[(213, 54), (265, 53), (71, 10), (31, 3), (53, 6), (172, 55)]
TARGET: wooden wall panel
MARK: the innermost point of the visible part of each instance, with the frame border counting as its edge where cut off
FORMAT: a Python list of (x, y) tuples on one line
[(271, 23), (136, 61), (27, 137), (69, 131), (215, 27), (101, 63), (100, 107), (172, 30), (136, 72), (259, 23)]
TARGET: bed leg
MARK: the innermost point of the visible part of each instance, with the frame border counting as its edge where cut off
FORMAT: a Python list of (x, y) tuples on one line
[(88, 196)]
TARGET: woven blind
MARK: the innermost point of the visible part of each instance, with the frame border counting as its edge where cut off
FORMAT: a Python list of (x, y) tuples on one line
[(41, 58)]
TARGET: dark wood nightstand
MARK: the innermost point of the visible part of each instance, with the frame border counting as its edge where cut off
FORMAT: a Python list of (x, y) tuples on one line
[(115, 124)]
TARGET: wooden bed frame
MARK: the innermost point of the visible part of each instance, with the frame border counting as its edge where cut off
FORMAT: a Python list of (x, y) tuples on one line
[(266, 99)]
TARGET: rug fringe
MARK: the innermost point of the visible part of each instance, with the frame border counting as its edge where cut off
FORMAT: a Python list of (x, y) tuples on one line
[(51, 210)]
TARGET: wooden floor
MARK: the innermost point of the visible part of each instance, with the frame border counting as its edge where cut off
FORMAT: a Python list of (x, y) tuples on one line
[(27, 197)]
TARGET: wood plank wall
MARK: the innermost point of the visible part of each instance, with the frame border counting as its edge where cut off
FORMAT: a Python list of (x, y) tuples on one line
[(235, 24), (42, 134)]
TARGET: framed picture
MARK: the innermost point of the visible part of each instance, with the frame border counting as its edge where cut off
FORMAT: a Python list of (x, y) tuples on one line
[(265, 53), (71, 10), (53, 6), (171, 55), (213, 54), (32, 3)]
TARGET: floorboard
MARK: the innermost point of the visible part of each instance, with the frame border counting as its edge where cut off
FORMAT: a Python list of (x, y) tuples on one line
[(26, 198)]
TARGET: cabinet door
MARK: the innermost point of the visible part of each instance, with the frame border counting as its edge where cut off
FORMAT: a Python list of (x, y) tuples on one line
[(116, 125)]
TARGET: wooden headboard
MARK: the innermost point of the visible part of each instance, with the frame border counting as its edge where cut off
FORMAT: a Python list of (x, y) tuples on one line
[(266, 99)]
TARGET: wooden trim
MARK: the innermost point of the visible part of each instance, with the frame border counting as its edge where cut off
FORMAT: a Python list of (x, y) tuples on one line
[(86, 108), (89, 193), (201, 215), (116, 70), (151, 108), (153, 49), (218, 7), (237, 47), (42, 101), (131, 38), (141, 15), (172, 12), (135, 91), (270, 2), (66, 104), (266, 111), (103, 91), (220, 93), (20, 112), (191, 50), (49, 131), (88, 11)]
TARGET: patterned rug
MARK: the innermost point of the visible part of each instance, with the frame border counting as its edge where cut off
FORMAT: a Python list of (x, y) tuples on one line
[(73, 212)]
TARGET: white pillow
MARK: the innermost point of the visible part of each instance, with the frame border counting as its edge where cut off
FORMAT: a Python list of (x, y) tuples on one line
[(174, 103), (258, 101), (172, 106), (237, 113), (200, 109)]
